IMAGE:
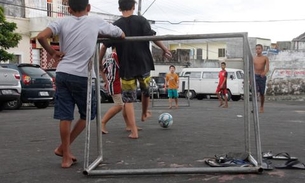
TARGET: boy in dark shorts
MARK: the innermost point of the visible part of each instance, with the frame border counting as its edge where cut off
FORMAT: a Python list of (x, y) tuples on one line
[(261, 68), (135, 61), (77, 37)]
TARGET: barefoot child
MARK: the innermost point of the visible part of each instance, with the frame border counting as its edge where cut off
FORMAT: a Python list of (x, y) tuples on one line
[(172, 81), (222, 86), (77, 39), (261, 68), (135, 61), (109, 70)]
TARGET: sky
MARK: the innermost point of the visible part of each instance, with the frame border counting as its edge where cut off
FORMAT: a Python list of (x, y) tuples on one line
[(278, 20)]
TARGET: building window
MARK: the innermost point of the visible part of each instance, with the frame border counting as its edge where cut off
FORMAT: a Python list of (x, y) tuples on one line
[(221, 52), (266, 48), (16, 59), (199, 54)]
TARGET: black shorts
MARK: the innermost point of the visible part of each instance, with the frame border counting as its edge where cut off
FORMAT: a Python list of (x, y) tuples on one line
[(260, 83), (71, 90)]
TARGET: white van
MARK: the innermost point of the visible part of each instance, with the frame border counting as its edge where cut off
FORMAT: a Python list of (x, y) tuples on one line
[(204, 81)]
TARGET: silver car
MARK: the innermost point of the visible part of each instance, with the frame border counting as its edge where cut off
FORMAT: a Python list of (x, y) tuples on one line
[(10, 87), (161, 84)]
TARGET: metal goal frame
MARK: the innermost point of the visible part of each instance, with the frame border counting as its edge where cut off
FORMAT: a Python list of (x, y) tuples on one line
[(90, 168)]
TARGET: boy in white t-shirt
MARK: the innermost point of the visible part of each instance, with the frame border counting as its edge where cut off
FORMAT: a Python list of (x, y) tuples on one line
[(77, 39)]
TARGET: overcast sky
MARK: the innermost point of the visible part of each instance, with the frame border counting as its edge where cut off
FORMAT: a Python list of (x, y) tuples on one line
[(277, 20)]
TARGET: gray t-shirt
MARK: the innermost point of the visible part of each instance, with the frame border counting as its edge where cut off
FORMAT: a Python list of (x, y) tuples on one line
[(77, 39)]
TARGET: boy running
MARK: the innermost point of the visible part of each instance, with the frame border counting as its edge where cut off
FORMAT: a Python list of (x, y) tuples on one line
[(110, 74), (135, 61), (109, 70)]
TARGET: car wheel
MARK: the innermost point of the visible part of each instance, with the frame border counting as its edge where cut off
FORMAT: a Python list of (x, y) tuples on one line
[(229, 95), (200, 97), (1, 106), (110, 100), (103, 97), (236, 97), (42, 105), (12, 105), (190, 94), (158, 94)]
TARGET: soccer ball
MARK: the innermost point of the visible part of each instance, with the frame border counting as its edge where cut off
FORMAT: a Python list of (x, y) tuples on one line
[(165, 120)]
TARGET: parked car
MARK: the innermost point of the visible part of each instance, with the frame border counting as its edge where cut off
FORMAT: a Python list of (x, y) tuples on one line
[(36, 84), (105, 97), (52, 74), (153, 89), (10, 87), (161, 84)]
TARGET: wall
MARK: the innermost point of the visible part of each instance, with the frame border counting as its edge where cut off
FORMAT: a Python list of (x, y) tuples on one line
[(24, 45), (10, 9), (287, 74)]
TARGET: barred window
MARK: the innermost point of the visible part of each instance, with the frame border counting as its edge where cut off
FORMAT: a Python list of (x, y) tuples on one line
[(221, 52)]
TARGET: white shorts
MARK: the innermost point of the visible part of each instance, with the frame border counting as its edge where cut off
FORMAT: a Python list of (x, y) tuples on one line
[(117, 99)]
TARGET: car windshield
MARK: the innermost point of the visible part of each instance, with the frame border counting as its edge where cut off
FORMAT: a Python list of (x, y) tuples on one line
[(52, 73), (32, 71), (159, 79)]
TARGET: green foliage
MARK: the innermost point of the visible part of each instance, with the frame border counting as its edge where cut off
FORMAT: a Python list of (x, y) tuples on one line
[(8, 39)]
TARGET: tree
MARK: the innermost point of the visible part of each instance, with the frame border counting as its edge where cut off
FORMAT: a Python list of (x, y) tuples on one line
[(8, 39)]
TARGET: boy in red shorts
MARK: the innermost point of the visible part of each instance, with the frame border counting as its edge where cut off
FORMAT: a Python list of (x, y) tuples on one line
[(222, 86)]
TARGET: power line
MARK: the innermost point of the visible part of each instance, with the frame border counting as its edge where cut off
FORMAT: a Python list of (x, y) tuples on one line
[(173, 23), (229, 21)]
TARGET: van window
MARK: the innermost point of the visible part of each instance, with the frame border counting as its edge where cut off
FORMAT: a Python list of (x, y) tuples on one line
[(193, 74), (231, 75), (210, 75), (240, 75)]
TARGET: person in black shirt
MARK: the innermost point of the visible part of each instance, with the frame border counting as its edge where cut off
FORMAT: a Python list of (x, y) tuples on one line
[(136, 61)]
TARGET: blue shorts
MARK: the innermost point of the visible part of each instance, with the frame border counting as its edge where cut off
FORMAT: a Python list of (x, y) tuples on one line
[(260, 83), (172, 93), (71, 90), (129, 87)]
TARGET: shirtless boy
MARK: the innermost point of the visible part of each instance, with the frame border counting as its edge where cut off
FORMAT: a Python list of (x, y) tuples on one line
[(261, 68)]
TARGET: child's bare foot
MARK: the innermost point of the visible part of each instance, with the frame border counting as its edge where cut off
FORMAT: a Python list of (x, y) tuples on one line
[(104, 130), (170, 107), (58, 152), (132, 136), (261, 110), (221, 104), (176, 106), (225, 106), (146, 116), (67, 163)]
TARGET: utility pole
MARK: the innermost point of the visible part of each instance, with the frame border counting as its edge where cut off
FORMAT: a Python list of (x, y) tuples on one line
[(139, 7)]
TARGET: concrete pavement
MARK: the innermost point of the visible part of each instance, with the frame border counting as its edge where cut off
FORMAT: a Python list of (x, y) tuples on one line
[(29, 136)]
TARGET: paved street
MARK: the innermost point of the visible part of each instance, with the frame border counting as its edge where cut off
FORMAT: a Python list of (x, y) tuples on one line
[(29, 136)]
